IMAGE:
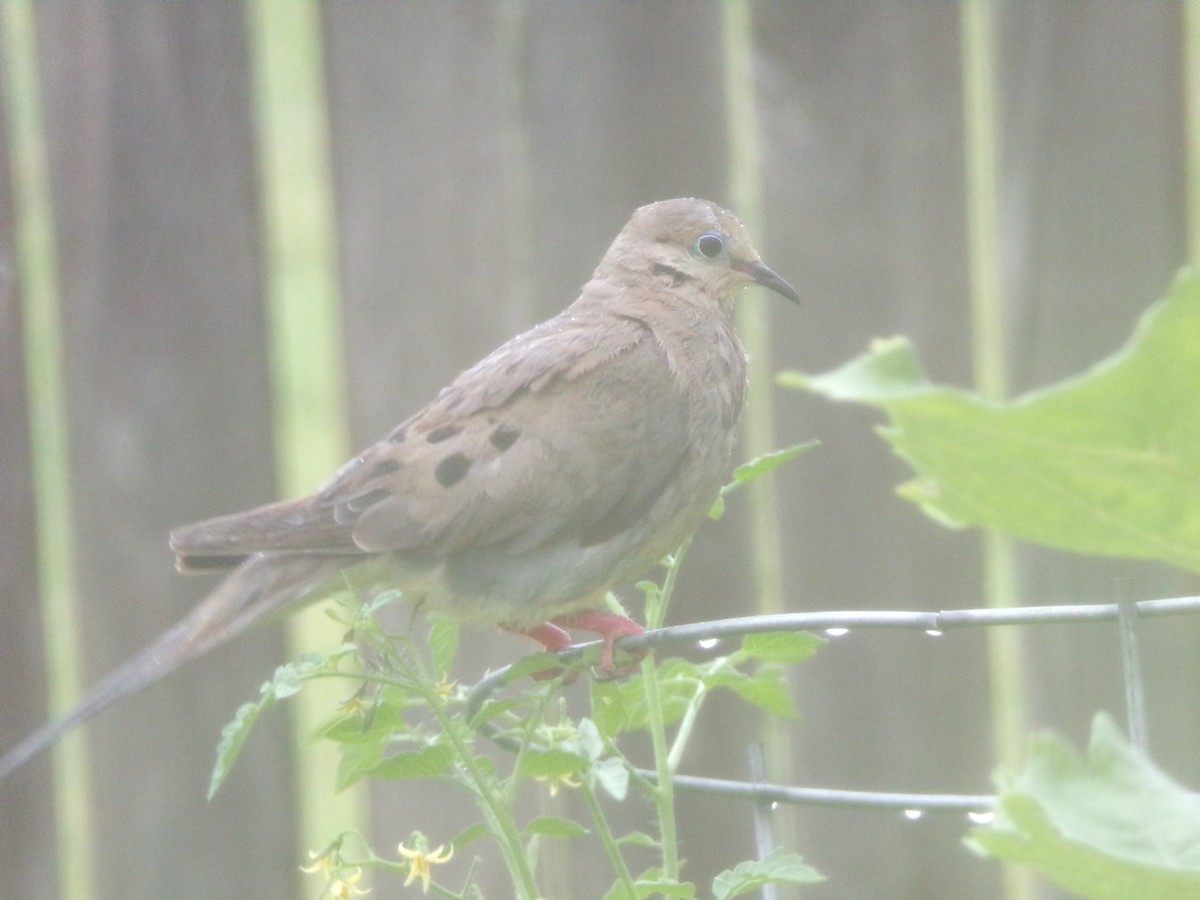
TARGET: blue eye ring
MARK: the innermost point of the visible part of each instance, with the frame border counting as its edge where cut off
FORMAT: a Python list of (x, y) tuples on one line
[(711, 245)]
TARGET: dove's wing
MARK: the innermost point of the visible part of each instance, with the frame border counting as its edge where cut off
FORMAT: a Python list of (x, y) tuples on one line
[(558, 435)]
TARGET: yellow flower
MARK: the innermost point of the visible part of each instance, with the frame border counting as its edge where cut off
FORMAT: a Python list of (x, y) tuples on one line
[(343, 889), (557, 782), (420, 859), (445, 688), (323, 863), (329, 865)]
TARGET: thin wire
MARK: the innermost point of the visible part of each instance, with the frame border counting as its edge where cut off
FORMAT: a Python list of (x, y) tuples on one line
[(930, 622), (773, 793)]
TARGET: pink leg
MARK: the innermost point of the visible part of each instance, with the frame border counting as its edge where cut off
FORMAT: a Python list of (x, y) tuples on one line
[(608, 625), (550, 636)]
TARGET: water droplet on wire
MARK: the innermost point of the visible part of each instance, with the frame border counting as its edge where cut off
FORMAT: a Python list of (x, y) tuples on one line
[(837, 632), (913, 814), (708, 643)]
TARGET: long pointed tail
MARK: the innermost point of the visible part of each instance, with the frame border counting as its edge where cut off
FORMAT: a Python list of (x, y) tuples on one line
[(262, 585)]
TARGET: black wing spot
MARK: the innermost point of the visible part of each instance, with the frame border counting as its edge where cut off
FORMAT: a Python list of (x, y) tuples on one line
[(443, 433), (504, 437), (386, 467), (451, 470)]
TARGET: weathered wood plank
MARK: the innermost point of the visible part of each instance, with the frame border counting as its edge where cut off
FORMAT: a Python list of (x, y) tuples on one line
[(152, 165)]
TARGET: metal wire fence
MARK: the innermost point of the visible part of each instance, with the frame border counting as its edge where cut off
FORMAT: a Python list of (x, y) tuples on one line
[(1126, 614)]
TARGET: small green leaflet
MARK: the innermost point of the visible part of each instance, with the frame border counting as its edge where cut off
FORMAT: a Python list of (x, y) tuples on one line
[(778, 868), (554, 826), (428, 762), (757, 468)]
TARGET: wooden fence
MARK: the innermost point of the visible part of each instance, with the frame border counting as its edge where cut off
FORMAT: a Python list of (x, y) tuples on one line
[(481, 157)]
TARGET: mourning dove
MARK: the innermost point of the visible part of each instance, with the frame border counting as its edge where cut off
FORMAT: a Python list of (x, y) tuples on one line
[(568, 461)]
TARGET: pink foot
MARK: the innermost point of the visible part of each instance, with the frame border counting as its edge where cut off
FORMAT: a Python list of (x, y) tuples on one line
[(609, 626), (550, 636)]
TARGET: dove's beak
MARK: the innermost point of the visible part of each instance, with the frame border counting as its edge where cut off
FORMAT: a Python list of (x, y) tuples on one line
[(765, 276)]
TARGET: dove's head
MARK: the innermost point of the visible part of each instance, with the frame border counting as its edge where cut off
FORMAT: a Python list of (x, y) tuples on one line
[(690, 243)]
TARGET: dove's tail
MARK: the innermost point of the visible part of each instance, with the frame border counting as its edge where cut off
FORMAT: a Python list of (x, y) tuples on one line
[(262, 585)]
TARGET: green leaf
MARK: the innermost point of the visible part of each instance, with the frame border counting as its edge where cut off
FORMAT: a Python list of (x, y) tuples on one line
[(493, 709), (357, 760), (1108, 826), (778, 868), (756, 468), (443, 645), (652, 884), (286, 682), (783, 647), (381, 600), (428, 762), (620, 706), (1105, 463), (363, 738), (552, 763), (612, 775), (373, 725), (554, 826), (768, 462), (590, 741), (639, 839), (233, 738), (767, 688), (470, 835), (659, 887)]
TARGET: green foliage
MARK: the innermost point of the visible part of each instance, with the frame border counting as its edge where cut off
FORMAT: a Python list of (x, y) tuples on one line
[(778, 868), (408, 721), (286, 682), (1105, 463), (757, 468), (1108, 826)]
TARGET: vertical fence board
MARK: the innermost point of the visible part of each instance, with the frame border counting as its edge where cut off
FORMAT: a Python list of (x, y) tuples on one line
[(152, 162), (862, 124), (27, 826), (425, 227)]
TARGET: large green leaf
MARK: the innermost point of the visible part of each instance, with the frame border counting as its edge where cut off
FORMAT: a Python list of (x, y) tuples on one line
[(1107, 462), (1110, 826)]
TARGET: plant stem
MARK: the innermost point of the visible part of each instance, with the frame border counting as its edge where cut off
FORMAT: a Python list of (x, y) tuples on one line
[(664, 790), (607, 839), (497, 812)]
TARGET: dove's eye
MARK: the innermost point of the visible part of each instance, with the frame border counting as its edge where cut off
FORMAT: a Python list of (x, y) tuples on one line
[(710, 245)]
